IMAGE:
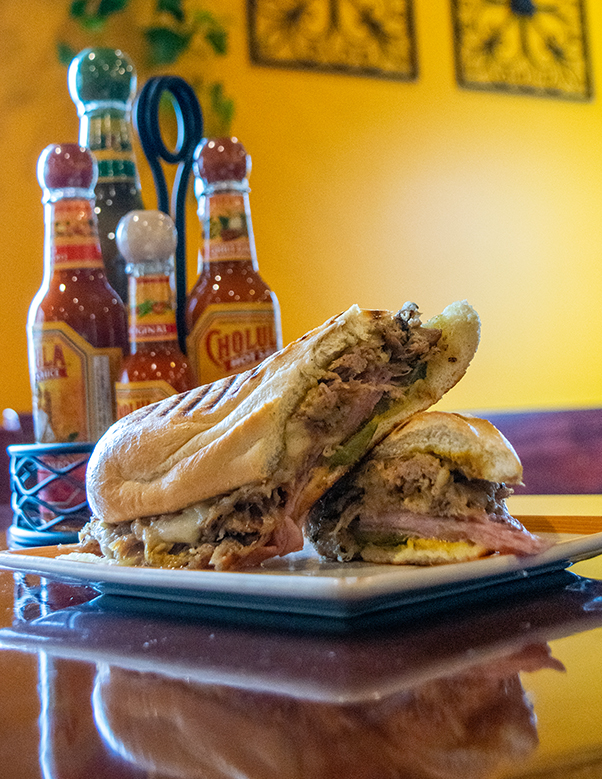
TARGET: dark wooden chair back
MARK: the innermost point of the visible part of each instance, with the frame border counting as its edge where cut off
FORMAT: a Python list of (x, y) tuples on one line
[(561, 450)]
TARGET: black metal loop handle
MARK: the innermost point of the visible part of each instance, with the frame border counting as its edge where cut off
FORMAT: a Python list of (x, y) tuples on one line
[(190, 132)]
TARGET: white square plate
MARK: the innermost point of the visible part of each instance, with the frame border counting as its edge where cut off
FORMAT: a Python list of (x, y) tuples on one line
[(302, 583)]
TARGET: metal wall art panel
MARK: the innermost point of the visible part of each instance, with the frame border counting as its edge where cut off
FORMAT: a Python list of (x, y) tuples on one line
[(357, 37), (537, 47)]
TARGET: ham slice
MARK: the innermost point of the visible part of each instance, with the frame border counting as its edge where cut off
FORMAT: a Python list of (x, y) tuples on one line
[(501, 533), (286, 538)]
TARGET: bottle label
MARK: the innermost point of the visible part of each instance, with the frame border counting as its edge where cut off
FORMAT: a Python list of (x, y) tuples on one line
[(152, 316), (115, 166), (109, 137), (73, 385), (229, 339), (74, 235), (136, 394), (225, 228)]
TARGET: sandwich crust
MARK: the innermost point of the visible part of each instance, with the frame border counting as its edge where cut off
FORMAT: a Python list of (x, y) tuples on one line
[(220, 437), (432, 492), (474, 444)]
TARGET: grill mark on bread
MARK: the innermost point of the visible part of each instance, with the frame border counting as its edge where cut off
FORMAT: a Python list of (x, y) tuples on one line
[(232, 385), (310, 333), (221, 391), (250, 376), (234, 382), (143, 412), (209, 396), (195, 399), (168, 405), (244, 378)]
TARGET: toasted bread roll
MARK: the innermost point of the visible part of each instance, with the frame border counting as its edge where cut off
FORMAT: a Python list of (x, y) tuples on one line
[(432, 492), (226, 473)]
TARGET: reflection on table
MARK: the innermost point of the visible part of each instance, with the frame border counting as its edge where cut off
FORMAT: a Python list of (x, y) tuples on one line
[(464, 725), (107, 686)]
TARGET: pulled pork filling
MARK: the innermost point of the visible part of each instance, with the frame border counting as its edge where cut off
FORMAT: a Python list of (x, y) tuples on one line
[(375, 372), (362, 381), (389, 502), (335, 422), (203, 535)]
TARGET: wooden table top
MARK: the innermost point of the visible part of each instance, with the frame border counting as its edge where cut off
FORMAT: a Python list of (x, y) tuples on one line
[(105, 686)]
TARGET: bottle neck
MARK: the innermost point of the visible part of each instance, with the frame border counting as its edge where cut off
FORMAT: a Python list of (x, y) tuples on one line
[(226, 227), (71, 235), (152, 316), (106, 130)]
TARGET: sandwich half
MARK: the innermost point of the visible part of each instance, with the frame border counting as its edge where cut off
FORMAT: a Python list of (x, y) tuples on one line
[(224, 475), (432, 492)]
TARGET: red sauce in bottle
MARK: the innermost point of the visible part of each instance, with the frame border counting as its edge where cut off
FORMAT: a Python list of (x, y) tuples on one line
[(155, 367), (232, 316), (77, 327)]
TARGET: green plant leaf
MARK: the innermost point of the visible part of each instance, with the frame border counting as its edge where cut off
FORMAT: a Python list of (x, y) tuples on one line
[(93, 24), (173, 7), (202, 16), (221, 105), (108, 7), (217, 38), (90, 13), (92, 16), (78, 9), (215, 33), (65, 53), (165, 45)]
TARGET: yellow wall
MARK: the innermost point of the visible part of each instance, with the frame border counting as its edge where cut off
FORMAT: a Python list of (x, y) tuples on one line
[(372, 192)]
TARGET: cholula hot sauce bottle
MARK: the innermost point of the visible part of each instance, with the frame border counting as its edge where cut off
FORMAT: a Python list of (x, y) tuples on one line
[(155, 367), (102, 84), (232, 316), (77, 324)]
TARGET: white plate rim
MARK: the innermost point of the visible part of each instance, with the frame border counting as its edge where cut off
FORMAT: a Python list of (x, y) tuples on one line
[(287, 579)]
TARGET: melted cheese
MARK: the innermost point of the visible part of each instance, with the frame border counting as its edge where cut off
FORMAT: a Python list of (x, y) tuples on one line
[(423, 551), (182, 528)]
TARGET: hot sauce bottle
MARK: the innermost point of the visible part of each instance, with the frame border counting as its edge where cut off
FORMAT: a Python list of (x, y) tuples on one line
[(155, 367), (77, 324), (232, 316), (102, 84)]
